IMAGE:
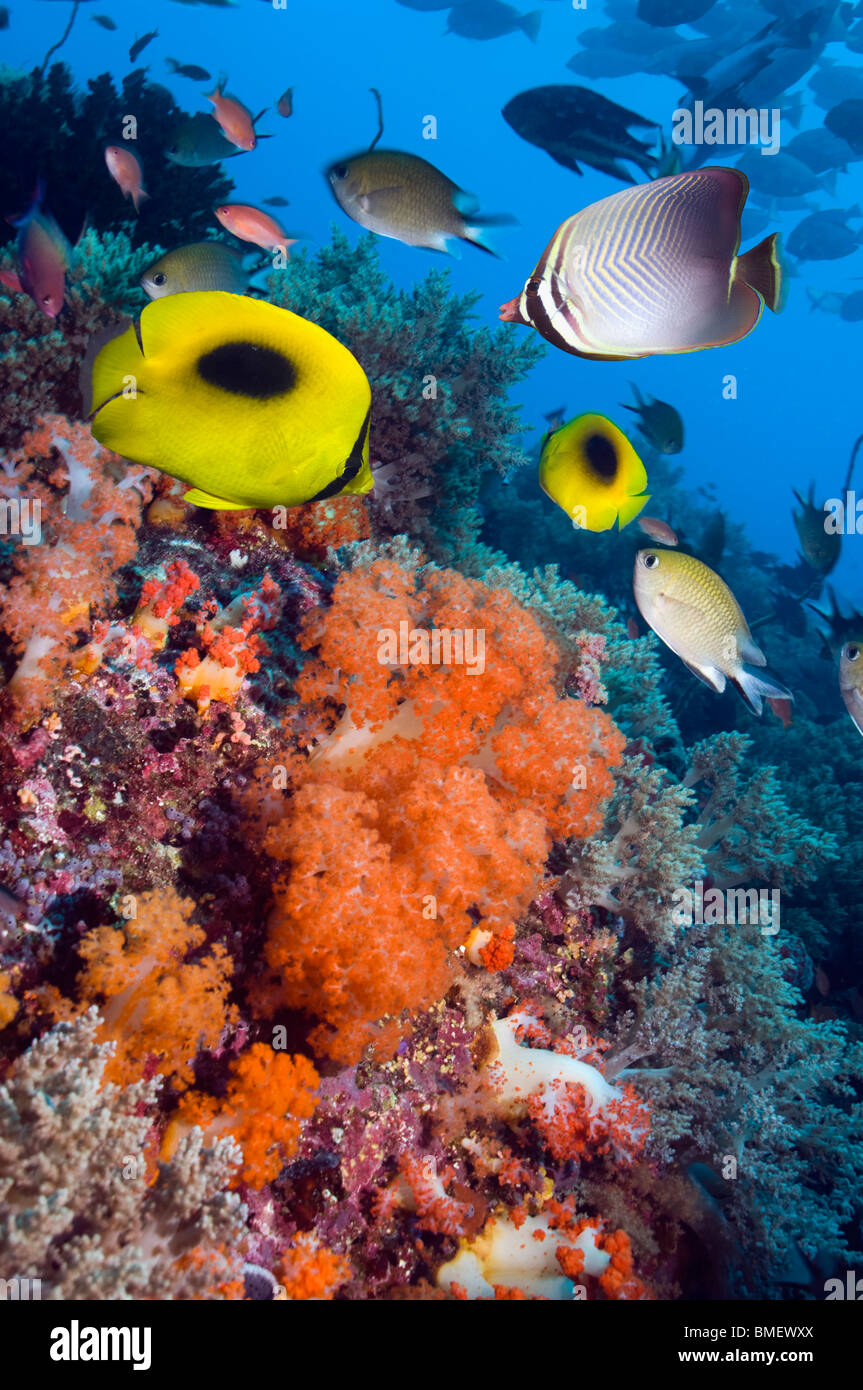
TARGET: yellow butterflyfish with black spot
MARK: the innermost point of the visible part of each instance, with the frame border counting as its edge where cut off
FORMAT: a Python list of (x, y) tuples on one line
[(251, 404), (590, 469)]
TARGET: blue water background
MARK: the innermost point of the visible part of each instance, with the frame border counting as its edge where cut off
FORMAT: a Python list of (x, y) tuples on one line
[(798, 374)]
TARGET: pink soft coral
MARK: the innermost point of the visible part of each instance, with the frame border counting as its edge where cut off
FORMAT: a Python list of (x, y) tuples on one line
[(90, 513)]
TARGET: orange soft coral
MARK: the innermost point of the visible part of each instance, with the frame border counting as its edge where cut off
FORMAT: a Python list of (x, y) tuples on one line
[(309, 1270), (8, 1002), (268, 1095), (431, 804), (89, 516), (160, 1008), (310, 531)]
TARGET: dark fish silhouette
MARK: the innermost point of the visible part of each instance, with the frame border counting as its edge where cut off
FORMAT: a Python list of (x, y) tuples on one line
[(140, 44), (190, 70), (665, 14), (573, 123)]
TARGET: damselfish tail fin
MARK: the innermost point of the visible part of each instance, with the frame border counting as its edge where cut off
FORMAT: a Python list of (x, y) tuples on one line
[(530, 24), (476, 230), (756, 684), (761, 269)]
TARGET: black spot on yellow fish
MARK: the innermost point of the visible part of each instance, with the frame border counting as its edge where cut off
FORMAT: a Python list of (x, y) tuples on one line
[(248, 369), (601, 455)]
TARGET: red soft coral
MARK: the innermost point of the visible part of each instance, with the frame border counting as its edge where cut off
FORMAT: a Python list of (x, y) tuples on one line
[(309, 1270)]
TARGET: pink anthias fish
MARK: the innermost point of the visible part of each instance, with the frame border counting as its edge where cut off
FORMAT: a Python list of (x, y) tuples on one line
[(235, 119), (125, 170), (43, 258), (250, 224), (658, 530)]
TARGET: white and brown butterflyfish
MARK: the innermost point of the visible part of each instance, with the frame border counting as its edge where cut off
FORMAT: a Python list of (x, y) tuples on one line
[(652, 269)]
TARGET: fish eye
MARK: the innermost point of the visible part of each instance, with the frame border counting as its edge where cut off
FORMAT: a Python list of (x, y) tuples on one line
[(160, 278), (650, 560), (852, 652), (339, 171), (532, 287)]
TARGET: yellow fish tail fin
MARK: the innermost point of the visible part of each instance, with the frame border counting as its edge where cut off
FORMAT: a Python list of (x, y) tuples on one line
[(629, 509), (363, 482)]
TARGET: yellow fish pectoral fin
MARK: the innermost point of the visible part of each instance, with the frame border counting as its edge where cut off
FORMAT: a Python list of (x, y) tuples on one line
[(629, 509), (206, 499)]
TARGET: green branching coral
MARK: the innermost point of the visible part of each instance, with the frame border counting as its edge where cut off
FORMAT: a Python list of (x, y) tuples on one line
[(107, 266), (441, 416), (748, 832), (765, 1100), (647, 854), (821, 770)]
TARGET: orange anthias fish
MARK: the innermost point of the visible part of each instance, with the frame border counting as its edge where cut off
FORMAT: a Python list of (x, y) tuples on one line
[(251, 224), (234, 118), (43, 257), (125, 170)]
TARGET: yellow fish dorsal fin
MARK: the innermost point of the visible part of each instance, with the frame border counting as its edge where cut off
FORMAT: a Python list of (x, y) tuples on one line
[(629, 509), (213, 316), (198, 498)]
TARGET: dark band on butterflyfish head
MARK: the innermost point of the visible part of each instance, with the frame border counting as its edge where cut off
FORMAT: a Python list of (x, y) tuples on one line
[(353, 465), (248, 369), (601, 455), (539, 315)]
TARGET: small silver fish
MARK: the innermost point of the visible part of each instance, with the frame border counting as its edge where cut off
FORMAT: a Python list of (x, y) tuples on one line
[(695, 613), (201, 265)]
